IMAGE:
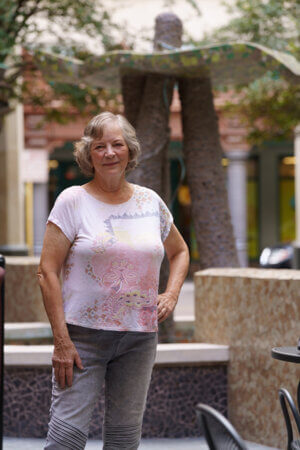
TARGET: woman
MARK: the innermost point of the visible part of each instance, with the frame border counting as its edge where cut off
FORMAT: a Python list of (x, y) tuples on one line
[(108, 237)]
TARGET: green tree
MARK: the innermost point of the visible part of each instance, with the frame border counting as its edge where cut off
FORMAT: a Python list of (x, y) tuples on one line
[(56, 25), (270, 108)]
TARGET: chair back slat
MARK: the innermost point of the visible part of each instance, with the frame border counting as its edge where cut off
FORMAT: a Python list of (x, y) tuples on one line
[(221, 437), (218, 431), (287, 404)]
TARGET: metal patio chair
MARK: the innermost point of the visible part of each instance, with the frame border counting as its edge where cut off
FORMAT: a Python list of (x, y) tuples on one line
[(218, 431), (286, 399), (2, 273)]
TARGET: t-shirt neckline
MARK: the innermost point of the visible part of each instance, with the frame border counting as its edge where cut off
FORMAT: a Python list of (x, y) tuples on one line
[(110, 204)]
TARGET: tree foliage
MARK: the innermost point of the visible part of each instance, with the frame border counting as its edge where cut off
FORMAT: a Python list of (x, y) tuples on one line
[(57, 25), (25, 20), (270, 108), (273, 23)]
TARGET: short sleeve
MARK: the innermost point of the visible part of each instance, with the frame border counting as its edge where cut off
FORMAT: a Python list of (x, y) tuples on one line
[(63, 214), (166, 220)]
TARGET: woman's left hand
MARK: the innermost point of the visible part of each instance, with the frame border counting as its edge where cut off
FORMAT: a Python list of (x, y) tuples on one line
[(166, 303)]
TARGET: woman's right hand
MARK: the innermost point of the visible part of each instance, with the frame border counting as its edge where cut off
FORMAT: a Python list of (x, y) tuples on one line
[(63, 359)]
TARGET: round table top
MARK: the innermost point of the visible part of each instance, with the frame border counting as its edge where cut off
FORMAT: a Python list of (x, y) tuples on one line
[(289, 354)]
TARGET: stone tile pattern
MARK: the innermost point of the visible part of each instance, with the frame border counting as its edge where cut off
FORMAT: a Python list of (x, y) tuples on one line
[(170, 410), (252, 310), (23, 298)]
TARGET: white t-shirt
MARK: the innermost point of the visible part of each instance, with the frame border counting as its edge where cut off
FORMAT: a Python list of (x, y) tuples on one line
[(110, 276)]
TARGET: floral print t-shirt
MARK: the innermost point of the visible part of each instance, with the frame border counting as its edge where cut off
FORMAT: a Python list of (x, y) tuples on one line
[(110, 276)]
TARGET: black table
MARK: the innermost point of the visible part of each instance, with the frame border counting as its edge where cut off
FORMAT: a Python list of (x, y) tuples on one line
[(288, 354)]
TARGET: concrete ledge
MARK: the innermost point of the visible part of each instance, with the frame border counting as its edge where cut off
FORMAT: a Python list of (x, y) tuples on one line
[(28, 355), (22, 260), (248, 272), (27, 330), (40, 355), (190, 320), (191, 353)]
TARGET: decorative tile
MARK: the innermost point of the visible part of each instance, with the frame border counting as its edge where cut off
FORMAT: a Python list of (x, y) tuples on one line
[(170, 409)]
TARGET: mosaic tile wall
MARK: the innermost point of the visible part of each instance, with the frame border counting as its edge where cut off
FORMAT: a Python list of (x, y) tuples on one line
[(170, 410), (252, 310), (23, 298)]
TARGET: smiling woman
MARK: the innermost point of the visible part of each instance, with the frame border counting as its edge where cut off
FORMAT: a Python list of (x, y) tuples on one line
[(108, 237)]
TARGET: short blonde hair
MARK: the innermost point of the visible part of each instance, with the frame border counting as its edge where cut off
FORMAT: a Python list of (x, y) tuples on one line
[(94, 129)]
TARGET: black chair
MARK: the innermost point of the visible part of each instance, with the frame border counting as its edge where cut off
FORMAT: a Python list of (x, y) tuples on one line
[(286, 399), (218, 431), (2, 273)]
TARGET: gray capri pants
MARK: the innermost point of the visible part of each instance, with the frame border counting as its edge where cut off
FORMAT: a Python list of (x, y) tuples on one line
[(124, 360)]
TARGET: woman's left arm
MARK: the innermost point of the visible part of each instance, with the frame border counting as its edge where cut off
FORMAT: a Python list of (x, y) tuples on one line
[(178, 255)]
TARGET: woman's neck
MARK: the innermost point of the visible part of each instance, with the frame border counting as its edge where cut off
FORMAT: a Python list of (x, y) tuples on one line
[(109, 184), (111, 190)]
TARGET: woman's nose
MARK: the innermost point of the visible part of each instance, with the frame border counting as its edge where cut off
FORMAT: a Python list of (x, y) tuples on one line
[(109, 150)]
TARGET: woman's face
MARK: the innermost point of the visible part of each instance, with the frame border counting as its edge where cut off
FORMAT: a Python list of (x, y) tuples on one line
[(110, 153)]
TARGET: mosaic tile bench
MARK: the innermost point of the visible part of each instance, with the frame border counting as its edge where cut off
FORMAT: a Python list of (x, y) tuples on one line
[(184, 374)]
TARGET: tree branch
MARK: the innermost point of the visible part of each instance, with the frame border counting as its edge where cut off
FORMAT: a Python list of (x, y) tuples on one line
[(33, 11), (20, 3)]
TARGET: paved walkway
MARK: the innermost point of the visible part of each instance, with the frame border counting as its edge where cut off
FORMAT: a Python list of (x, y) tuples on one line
[(146, 444)]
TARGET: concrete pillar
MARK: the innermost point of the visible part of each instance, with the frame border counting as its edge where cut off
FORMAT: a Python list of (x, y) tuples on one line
[(237, 196), (268, 198), (296, 244), (12, 235), (35, 178)]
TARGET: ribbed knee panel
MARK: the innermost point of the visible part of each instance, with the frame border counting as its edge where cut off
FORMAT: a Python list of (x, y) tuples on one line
[(121, 437), (62, 435)]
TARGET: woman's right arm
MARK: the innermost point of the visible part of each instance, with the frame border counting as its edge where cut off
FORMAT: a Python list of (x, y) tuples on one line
[(55, 249)]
